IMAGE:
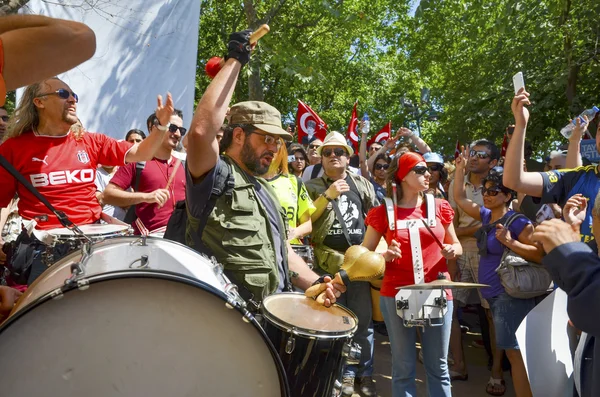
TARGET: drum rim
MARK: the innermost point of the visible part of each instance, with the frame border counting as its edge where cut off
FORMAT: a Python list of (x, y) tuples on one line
[(170, 276), (317, 334), (123, 228)]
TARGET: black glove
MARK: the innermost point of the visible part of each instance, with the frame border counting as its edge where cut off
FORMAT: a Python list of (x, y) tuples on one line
[(239, 46)]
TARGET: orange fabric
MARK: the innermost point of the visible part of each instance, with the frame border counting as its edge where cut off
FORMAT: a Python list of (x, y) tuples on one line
[(406, 163), (2, 84)]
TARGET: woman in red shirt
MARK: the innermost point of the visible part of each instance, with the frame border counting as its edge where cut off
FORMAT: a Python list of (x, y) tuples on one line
[(409, 171)]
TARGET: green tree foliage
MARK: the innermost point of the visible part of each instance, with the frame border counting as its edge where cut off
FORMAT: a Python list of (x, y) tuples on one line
[(469, 51), (326, 53)]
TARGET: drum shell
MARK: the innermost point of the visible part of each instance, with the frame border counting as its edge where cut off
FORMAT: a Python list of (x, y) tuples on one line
[(316, 360)]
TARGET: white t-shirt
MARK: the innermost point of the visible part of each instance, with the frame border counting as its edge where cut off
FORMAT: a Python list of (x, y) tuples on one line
[(102, 180)]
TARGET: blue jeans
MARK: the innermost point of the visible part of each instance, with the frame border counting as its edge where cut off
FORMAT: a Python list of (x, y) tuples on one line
[(358, 299), (435, 342), (508, 313)]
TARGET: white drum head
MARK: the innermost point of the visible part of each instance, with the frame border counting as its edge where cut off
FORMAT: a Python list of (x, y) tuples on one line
[(143, 335)]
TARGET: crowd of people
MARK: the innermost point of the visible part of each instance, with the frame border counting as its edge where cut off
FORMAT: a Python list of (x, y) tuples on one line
[(258, 203)]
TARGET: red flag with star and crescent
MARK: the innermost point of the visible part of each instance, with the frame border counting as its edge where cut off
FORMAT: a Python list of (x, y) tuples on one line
[(352, 134), (309, 123), (457, 150), (382, 135)]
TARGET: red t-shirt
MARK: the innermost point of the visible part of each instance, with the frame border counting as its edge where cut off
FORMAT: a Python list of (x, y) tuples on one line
[(400, 272), (63, 169), (155, 175)]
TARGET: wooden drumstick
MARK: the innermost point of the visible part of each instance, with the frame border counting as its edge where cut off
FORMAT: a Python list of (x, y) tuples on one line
[(214, 64)]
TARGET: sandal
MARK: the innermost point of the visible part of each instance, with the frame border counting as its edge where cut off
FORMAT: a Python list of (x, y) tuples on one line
[(495, 387), (455, 375)]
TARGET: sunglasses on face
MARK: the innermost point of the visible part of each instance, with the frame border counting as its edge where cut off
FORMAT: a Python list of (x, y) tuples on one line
[(492, 191), (173, 129), (435, 167), (270, 139), (420, 170), (62, 94), (382, 166), (315, 147), (4, 118), (338, 152), (479, 153)]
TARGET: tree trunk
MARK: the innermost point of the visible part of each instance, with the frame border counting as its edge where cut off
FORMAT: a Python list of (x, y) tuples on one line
[(11, 6), (572, 66), (255, 88)]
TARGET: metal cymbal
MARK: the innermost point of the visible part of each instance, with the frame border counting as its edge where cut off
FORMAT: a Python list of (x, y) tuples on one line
[(443, 284)]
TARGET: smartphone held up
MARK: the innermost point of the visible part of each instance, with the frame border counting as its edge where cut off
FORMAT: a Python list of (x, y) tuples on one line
[(518, 82)]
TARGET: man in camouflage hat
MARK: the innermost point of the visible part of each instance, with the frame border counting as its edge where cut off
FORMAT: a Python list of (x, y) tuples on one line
[(232, 213)]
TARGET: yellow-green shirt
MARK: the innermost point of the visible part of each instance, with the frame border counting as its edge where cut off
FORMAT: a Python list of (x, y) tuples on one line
[(294, 199)]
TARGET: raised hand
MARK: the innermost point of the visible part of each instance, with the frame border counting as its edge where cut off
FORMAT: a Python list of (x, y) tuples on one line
[(555, 232), (580, 129), (518, 108), (164, 112), (404, 132), (575, 209), (239, 46), (462, 159)]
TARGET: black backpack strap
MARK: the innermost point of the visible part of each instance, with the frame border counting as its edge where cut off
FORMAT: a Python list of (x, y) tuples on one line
[(315, 171), (62, 217), (130, 216)]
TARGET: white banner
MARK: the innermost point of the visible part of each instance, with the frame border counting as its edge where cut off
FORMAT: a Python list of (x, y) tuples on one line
[(144, 48)]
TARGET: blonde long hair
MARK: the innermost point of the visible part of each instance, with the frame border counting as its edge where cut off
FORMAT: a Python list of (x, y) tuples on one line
[(279, 163), (26, 116)]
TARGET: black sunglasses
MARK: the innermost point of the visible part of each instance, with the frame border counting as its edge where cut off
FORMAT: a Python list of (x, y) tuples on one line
[(338, 152), (314, 146), (62, 94), (435, 167), (420, 170), (5, 118), (173, 129), (382, 166), (480, 154), (492, 191)]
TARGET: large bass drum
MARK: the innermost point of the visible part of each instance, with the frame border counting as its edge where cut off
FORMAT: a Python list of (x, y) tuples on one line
[(136, 333)]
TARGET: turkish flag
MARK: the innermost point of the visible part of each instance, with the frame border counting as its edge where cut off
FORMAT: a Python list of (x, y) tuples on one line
[(352, 134), (382, 135), (457, 150), (309, 123), (504, 146)]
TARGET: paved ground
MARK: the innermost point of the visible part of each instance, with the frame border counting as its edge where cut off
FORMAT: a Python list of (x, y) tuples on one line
[(476, 362)]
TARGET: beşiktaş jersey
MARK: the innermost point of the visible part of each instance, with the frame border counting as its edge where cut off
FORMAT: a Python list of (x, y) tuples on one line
[(63, 169), (560, 185)]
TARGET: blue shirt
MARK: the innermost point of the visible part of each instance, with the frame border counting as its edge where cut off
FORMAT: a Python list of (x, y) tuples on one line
[(560, 185), (490, 262)]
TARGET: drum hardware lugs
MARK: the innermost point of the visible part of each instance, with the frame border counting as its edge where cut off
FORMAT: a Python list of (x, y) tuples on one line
[(290, 345), (352, 352), (143, 259)]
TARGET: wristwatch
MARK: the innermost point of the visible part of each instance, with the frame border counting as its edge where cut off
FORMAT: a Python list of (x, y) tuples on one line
[(163, 128), (324, 195)]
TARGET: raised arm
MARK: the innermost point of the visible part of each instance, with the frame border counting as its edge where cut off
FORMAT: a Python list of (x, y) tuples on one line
[(144, 151), (419, 143), (574, 149), (203, 148), (515, 178), (460, 195), (38, 47)]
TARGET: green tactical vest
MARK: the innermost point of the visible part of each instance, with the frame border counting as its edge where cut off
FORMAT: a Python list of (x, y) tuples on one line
[(239, 235)]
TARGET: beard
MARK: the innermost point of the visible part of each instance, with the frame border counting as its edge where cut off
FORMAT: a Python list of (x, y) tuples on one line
[(69, 118), (252, 162)]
